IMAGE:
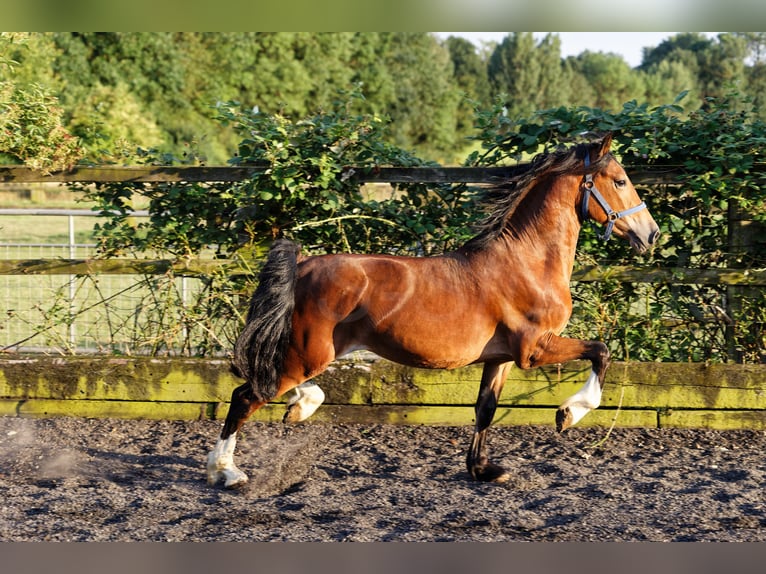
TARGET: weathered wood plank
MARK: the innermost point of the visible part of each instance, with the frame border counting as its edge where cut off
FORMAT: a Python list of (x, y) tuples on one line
[(713, 419), (674, 275), (639, 394), (159, 174), (205, 267), (103, 409), (117, 379), (128, 174), (330, 414), (181, 267), (634, 385)]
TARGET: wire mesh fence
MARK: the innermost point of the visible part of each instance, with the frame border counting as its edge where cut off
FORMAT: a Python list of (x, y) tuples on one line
[(90, 312)]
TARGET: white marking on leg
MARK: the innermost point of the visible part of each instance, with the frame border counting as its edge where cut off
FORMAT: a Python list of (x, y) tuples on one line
[(303, 402), (220, 464), (584, 400)]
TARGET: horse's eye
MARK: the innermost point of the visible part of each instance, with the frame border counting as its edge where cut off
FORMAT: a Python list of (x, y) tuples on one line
[(619, 182)]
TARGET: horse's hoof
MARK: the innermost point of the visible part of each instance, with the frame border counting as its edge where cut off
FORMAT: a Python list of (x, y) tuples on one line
[(235, 483), (563, 419), (293, 415), (490, 472), (232, 478)]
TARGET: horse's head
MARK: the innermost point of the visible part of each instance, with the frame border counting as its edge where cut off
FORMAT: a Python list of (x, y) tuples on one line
[(609, 198)]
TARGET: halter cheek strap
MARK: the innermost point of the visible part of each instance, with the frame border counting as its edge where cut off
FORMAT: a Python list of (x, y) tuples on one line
[(589, 188)]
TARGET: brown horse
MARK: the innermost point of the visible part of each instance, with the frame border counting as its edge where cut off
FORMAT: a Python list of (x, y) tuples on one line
[(502, 298)]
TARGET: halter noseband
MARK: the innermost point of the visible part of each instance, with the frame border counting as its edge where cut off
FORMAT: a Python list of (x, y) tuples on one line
[(589, 188)]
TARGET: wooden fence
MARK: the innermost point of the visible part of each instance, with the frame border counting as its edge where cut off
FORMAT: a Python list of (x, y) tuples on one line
[(637, 394), (479, 175), (650, 395)]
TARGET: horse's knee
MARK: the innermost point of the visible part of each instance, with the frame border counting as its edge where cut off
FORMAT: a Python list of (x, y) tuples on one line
[(304, 400)]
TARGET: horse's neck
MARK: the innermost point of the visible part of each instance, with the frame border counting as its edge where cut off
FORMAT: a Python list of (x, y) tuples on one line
[(544, 236)]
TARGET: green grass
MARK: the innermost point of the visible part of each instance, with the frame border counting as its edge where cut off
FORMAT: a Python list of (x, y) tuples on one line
[(45, 229)]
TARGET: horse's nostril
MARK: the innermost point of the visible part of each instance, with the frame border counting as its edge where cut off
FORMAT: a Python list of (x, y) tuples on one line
[(654, 237)]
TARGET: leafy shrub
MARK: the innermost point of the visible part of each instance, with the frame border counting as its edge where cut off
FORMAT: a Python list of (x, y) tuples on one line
[(31, 129)]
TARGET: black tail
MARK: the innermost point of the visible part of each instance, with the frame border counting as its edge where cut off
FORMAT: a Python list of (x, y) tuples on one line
[(259, 353)]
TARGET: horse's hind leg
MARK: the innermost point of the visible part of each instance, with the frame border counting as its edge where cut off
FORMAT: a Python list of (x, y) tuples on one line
[(220, 461), (492, 380)]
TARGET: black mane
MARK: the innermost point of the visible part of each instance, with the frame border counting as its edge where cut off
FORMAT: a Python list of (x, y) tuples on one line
[(501, 201)]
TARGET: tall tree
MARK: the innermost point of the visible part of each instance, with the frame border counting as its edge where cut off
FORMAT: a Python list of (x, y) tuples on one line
[(668, 79), (611, 79), (718, 63), (368, 61), (755, 70), (423, 112), (470, 77), (32, 126), (531, 75)]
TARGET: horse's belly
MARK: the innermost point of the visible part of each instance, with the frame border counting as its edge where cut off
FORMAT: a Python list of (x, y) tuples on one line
[(448, 347)]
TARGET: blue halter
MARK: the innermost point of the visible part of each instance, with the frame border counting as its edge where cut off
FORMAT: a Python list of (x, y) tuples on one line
[(589, 188)]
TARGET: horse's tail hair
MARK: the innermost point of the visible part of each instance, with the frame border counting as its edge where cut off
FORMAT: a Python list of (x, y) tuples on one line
[(261, 348)]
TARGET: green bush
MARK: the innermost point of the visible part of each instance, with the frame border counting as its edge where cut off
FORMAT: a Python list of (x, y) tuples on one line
[(305, 191)]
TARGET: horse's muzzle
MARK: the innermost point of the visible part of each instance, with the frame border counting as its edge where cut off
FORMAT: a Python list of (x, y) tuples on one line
[(641, 242)]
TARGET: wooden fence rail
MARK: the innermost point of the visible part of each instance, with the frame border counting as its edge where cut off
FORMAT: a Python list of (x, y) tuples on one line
[(168, 174), (206, 267)]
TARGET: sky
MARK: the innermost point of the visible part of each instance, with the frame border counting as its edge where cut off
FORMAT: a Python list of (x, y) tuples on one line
[(629, 45)]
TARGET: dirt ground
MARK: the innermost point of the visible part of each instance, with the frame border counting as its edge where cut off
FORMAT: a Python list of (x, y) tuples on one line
[(70, 479)]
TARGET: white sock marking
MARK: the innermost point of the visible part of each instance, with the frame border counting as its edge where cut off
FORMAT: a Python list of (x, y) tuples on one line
[(220, 464), (304, 401), (584, 400)]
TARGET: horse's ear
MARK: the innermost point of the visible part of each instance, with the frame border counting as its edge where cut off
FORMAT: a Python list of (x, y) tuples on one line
[(606, 144)]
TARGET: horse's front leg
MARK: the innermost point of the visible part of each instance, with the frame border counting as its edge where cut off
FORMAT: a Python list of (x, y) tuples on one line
[(561, 350), (492, 380)]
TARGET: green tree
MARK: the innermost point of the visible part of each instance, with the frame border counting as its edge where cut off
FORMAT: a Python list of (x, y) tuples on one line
[(114, 77), (717, 63), (371, 72), (531, 75), (174, 80), (423, 112), (31, 120), (756, 67), (611, 79), (668, 79), (470, 77)]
